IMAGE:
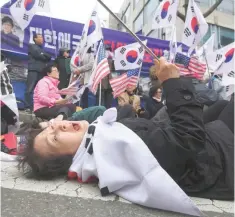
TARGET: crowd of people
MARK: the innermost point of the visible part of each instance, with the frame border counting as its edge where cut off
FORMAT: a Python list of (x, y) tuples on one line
[(190, 133), (46, 77)]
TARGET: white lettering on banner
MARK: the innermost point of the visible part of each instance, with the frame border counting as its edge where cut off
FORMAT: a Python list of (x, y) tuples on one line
[(64, 40), (75, 43), (32, 31), (50, 38)]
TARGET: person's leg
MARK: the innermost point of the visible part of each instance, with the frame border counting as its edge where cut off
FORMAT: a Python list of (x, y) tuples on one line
[(49, 113), (108, 98), (84, 98), (72, 109), (213, 112), (32, 79)]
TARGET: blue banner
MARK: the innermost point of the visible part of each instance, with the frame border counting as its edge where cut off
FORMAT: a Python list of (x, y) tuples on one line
[(60, 33)]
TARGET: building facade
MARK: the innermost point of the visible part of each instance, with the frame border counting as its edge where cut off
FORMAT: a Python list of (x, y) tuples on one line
[(138, 14)]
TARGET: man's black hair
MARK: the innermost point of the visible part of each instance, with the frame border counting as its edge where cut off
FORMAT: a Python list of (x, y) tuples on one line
[(38, 166), (7, 20), (35, 35)]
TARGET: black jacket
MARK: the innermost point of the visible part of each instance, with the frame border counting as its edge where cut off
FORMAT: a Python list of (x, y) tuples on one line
[(63, 65), (198, 157), (152, 106), (37, 58)]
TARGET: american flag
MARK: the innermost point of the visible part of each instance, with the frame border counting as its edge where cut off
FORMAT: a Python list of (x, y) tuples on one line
[(120, 83), (101, 69), (190, 66)]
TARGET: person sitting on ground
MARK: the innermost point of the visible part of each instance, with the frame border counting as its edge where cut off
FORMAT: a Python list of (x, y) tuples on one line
[(48, 103), (199, 157), (154, 101)]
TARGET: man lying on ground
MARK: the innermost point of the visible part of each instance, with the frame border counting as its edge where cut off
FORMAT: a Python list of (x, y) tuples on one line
[(200, 158)]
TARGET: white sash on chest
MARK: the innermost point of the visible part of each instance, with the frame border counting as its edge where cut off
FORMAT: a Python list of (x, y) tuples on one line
[(125, 166)]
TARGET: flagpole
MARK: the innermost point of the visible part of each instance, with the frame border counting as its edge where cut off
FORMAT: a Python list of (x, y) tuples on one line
[(172, 38), (52, 34), (100, 94), (133, 34), (204, 54)]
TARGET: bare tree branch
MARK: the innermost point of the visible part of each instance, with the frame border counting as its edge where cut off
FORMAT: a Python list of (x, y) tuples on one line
[(206, 14), (212, 8)]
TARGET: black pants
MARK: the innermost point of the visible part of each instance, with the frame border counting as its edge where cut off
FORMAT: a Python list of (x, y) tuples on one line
[(84, 98), (106, 98), (32, 80), (221, 110), (49, 113)]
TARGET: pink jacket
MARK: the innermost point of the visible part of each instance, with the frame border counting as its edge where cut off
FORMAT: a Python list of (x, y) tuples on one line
[(46, 93)]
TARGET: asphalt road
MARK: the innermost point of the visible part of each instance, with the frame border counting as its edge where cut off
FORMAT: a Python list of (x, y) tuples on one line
[(18, 203)]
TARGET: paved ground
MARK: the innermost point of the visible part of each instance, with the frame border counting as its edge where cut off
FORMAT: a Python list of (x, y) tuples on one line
[(28, 198)]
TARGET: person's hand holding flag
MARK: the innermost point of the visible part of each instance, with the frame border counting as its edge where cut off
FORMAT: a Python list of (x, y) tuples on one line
[(165, 70)]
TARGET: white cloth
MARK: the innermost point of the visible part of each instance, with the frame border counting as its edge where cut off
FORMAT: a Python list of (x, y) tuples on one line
[(125, 166)]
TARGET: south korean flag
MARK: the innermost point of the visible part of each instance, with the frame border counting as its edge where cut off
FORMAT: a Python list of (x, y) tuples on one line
[(217, 58), (195, 26), (23, 11), (129, 57), (165, 14)]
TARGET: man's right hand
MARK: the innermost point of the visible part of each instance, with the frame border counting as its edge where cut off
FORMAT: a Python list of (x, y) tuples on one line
[(61, 101), (165, 70)]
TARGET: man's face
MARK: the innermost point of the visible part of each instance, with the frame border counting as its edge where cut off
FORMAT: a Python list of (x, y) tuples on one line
[(7, 28), (61, 138), (66, 54), (39, 40)]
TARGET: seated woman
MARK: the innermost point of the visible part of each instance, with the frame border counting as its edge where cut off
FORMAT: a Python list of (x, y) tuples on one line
[(47, 102), (154, 102), (199, 157)]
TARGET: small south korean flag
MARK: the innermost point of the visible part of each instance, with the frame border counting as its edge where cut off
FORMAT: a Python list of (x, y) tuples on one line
[(23, 11), (165, 14), (129, 57)]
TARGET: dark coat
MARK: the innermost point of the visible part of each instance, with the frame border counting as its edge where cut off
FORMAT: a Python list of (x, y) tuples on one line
[(152, 106), (63, 65), (200, 158), (37, 58)]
